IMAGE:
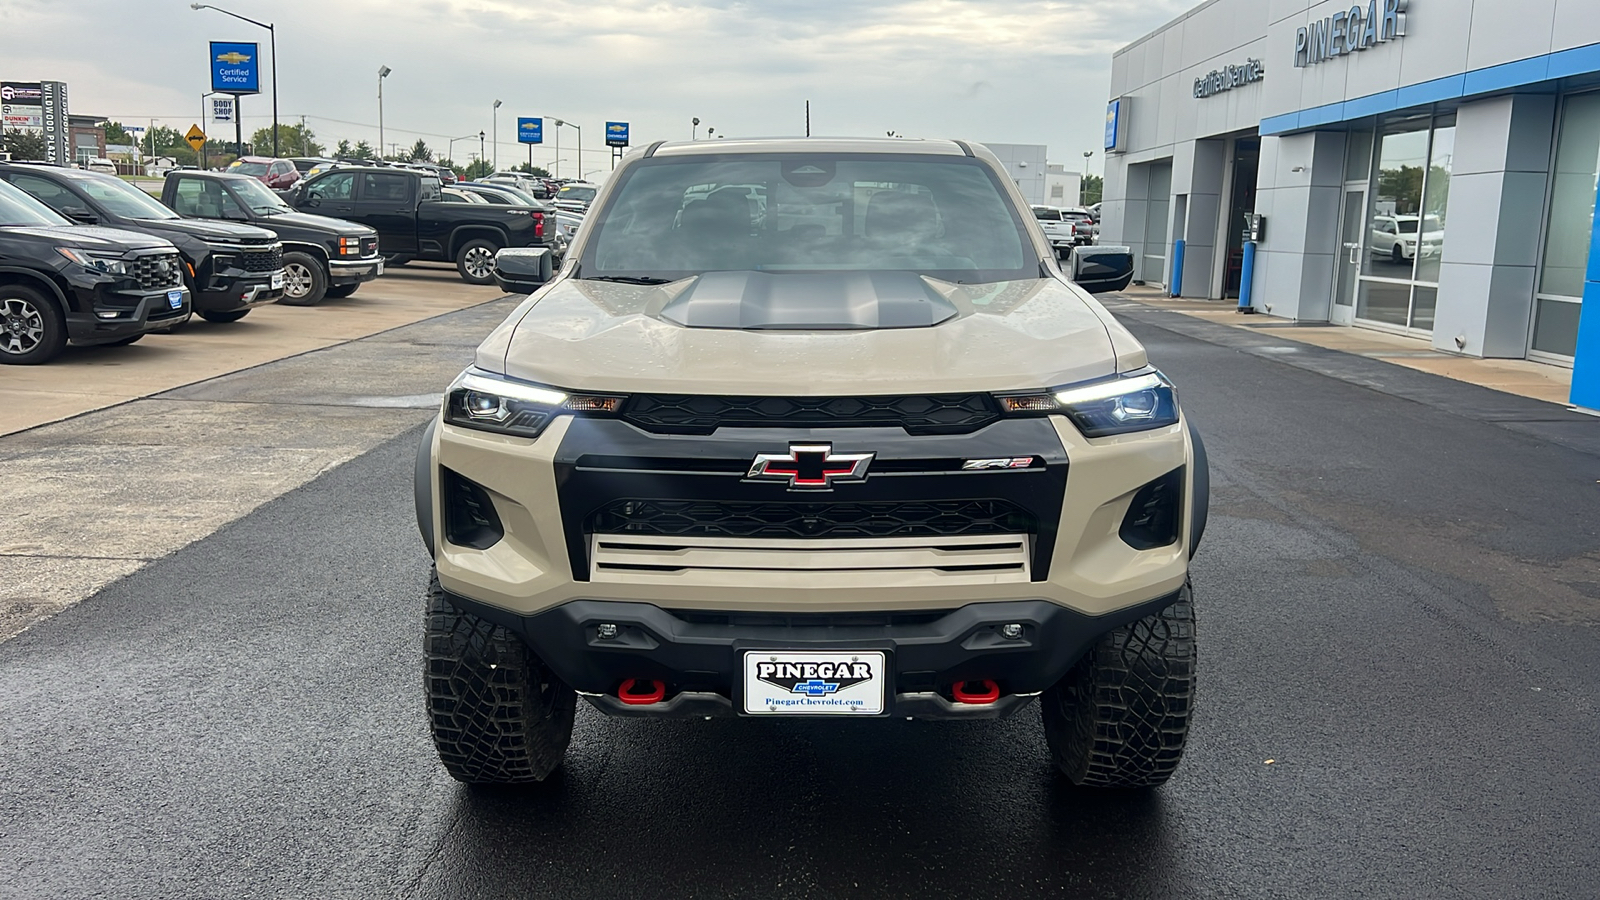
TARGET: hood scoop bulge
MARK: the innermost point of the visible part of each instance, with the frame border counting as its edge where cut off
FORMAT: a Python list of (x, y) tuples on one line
[(808, 302)]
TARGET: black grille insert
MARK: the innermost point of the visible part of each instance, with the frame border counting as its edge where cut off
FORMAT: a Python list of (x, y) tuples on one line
[(777, 519), (703, 414), (262, 261), (158, 271)]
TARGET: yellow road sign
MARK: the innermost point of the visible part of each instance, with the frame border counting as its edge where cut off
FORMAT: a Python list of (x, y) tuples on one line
[(195, 137)]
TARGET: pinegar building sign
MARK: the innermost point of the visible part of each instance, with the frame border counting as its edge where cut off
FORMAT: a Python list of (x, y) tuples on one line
[(1350, 30)]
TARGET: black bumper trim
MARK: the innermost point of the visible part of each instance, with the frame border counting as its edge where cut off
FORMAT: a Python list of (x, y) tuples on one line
[(703, 660)]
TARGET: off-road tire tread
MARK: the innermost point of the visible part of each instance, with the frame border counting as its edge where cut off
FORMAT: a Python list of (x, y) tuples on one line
[(1120, 717), (498, 714)]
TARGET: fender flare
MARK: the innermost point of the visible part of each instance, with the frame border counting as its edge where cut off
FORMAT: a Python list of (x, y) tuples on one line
[(47, 283), (422, 486), (1201, 508)]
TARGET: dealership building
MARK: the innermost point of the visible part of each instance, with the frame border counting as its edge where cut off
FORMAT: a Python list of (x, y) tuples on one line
[(1426, 167)]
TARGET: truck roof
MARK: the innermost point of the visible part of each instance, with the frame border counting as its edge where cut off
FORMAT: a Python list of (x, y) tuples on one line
[(812, 145)]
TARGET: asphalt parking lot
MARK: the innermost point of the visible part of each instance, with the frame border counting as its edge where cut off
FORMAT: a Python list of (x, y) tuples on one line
[(1397, 604)]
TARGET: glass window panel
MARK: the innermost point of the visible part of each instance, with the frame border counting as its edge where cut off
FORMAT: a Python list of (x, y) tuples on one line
[(1396, 200), (1571, 225), (1422, 304), (1384, 302), (1555, 327), (1429, 233), (1358, 156)]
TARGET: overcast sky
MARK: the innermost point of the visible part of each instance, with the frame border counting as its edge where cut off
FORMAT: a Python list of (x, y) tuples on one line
[(1018, 71)]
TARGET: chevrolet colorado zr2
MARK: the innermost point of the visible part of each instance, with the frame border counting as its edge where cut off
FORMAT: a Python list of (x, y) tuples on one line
[(811, 427)]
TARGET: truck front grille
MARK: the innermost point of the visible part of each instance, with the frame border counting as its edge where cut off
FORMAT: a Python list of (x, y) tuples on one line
[(762, 563), (704, 414), (776, 519), (265, 259), (158, 271)]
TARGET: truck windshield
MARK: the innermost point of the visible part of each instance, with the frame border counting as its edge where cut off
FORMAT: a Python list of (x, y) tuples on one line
[(120, 197), (258, 196), (1045, 214), (581, 193), (946, 217), (18, 208), (248, 168)]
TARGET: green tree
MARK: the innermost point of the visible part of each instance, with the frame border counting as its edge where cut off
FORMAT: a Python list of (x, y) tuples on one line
[(363, 150), (293, 140), (1090, 189), (478, 168), (420, 152), (23, 145), (540, 171), (116, 134), (163, 140), (343, 149), (1404, 186)]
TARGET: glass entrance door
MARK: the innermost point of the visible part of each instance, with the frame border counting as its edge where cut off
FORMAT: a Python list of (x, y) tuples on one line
[(1351, 234)]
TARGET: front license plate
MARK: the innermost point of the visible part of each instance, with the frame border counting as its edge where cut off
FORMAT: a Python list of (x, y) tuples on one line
[(175, 299), (784, 683), (277, 280), (380, 267)]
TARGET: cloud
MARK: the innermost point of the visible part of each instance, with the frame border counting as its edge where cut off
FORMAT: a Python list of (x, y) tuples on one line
[(1033, 71)]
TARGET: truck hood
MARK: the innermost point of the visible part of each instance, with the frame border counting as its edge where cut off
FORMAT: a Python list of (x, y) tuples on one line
[(90, 237), (601, 336), (206, 229), (308, 221)]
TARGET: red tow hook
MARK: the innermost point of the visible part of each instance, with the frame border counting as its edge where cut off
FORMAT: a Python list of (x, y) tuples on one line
[(645, 691), (976, 692)]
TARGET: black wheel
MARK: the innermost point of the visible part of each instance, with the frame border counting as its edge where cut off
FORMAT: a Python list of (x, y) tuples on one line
[(340, 291), (498, 714), (220, 317), (1397, 256), (475, 261), (305, 280), (32, 329), (123, 342), (1120, 717)]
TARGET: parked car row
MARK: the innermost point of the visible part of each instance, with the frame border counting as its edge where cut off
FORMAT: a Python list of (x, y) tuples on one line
[(1066, 227)]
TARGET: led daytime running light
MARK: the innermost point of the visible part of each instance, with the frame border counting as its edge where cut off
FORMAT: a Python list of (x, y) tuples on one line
[(511, 390), (1105, 390)]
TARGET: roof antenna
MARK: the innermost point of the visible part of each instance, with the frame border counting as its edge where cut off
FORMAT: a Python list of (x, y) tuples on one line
[(808, 118)]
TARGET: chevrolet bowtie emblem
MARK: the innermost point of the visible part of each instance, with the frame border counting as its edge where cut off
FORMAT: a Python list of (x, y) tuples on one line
[(233, 56), (810, 467)]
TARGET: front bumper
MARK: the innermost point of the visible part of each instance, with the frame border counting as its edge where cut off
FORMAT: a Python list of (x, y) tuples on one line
[(354, 271), (698, 656), (101, 313)]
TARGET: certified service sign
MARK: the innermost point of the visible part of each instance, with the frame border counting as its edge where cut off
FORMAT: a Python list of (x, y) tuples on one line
[(235, 68)]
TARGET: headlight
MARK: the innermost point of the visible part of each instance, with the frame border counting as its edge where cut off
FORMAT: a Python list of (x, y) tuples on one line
[(109, 263), (1134, 401), (490, 402)]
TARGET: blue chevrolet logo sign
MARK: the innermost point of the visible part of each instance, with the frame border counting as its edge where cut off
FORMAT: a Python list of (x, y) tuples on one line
[(235, 68), (816, 687), (530, 130), (616, 134)]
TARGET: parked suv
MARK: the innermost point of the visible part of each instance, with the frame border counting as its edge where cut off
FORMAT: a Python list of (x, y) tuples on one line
[(278, 174), (61, 282), (881, 459), (322, 257), (228, 267)]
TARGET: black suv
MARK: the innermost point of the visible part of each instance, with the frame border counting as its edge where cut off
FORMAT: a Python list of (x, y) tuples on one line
[(60, 282), (322, 256), (229, 268)]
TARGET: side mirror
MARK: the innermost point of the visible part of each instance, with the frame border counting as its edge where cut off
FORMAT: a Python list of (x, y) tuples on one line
[(1100, 270), (522, 270), (80, 215)]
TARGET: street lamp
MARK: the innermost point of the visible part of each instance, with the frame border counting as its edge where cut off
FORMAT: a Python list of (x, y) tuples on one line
[(693, 124), (481, 157), (273, 37), (494, 123), (560, 123), (709, 132), (451, 153), (383, 72)]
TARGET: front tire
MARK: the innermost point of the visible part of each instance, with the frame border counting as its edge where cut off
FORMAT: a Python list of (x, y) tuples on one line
[(341, 291), (304, 280), (32, 327), (475, 261), (498, 714), (1120, 717), (222, 317)]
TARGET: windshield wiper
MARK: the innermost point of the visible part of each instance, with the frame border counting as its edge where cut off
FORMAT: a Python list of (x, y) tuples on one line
[(629, 279)]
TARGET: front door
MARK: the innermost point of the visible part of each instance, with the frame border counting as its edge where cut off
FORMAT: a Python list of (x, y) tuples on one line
[(1352, 233), (385, 203)]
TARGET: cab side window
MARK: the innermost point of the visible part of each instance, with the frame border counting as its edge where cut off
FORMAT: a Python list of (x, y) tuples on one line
[(48, 192), (338, 186), (384, 187)]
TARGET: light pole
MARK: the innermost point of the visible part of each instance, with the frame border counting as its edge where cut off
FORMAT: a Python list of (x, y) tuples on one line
[(272, 34), (693, 124), (709, 132), (494, 123), (383, 72), (481, 157), (452, 152), (560, 123), (1086, 155)]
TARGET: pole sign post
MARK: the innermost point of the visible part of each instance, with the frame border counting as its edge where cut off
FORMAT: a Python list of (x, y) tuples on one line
[(235, 68), (616, 134), (530, 131)]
